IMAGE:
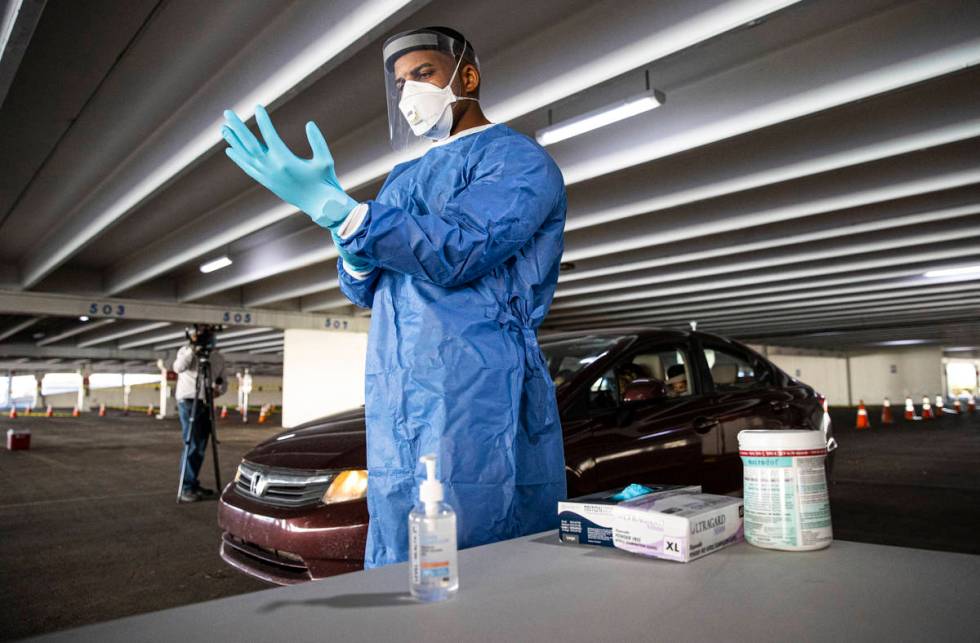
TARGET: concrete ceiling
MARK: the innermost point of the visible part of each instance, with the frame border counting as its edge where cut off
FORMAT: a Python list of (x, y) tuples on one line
[(813, 160)]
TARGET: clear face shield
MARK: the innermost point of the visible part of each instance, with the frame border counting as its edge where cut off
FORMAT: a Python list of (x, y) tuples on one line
[(421, 77)]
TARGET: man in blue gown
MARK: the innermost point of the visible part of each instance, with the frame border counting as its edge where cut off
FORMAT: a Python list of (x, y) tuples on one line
[(458, 259)]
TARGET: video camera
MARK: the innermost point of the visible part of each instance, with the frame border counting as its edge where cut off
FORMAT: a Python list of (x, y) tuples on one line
[(203, 337)]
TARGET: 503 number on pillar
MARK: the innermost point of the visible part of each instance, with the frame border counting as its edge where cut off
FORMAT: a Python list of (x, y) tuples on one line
[(107, 310)]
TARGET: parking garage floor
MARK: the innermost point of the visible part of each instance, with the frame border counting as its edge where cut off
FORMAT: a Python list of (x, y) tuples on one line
[(89, 530), (89, 527)]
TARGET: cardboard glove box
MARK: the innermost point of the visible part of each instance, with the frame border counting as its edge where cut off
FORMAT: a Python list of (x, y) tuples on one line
[(672, 522)]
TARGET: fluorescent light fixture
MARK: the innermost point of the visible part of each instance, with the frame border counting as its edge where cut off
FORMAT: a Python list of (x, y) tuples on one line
[(215, 264), (83, 318), (962, 271), (600, 117), (903, 342)]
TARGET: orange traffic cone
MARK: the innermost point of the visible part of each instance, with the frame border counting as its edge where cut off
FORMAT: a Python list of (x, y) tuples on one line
[(102, 410), (971, 405), (49, 412), (910, 410), (862, 418), (224, 412), (149, 410), (13, 412), (957, 407), (886, 412), (75, 412), (926, 409), (939, 406), (263, 414)]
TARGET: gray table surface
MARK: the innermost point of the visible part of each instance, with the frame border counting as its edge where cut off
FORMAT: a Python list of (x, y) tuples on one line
[(536, 589)]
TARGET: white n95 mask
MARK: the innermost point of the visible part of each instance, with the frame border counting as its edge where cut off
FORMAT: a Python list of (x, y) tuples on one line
[(428, 109)]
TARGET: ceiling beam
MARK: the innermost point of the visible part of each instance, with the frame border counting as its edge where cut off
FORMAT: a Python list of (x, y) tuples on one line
[(290, 285), (116, 308), (151, 339), (18, 327), (224, 344), (17, 23), (119, 333), (83, 327), (298, 250), (325, 301)]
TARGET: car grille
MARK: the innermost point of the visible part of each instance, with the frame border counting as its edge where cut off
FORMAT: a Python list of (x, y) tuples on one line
[(282, 487)]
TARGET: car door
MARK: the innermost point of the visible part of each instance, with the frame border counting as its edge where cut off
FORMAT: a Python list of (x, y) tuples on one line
[(742, 397), (631, 437)]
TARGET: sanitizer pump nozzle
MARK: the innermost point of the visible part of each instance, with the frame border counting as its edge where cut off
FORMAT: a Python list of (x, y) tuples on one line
[(430, 491), (432, 540)]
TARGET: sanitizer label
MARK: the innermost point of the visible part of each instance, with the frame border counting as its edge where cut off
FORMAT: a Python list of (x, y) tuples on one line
[(786, 500), (432, 554)]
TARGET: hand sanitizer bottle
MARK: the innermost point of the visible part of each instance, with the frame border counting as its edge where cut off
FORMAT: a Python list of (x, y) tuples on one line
[(432, 541)]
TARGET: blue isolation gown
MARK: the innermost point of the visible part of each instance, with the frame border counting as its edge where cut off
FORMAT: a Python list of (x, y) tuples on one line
[(467, 240)]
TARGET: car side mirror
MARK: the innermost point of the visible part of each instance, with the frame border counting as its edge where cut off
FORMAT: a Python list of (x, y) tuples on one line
[(644, 390)]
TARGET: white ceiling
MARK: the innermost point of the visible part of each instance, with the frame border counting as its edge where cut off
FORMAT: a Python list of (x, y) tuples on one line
[(812, 160)]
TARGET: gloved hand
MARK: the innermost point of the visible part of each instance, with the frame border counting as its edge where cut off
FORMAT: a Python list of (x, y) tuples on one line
[(309, 184), (350, 260)]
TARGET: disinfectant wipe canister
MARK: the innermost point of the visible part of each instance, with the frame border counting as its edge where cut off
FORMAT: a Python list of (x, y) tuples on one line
[(785, 489)]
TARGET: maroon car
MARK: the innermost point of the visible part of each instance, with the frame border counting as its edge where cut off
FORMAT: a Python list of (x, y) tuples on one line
[(637, 405)]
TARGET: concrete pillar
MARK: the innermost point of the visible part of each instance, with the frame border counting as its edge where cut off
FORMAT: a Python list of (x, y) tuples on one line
[(10, 388), (164, 390), (38, 391), (83, 390), (322, 374)]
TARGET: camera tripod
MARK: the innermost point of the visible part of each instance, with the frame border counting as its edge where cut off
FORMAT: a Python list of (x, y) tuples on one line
[(203, 377)]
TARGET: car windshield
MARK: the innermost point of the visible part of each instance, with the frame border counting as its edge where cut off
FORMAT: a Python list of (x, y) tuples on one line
[(567, 357)]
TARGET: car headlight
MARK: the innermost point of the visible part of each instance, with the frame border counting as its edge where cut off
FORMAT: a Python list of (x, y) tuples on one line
[(238, 473), (348, 485)]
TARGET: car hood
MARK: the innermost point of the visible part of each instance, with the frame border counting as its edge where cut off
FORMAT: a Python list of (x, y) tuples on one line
[(335, 442)]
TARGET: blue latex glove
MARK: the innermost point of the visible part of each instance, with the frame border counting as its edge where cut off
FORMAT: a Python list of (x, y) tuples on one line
[(353, 262), (309, 184), (632, 491)]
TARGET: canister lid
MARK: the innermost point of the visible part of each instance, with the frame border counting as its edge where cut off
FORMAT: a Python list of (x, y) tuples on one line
[(781, 440)]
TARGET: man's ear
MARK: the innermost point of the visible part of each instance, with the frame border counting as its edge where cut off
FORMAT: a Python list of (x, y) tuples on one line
[(470, 79)]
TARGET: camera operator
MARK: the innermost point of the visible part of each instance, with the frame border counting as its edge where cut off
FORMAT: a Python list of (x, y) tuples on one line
[(200, 345)]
